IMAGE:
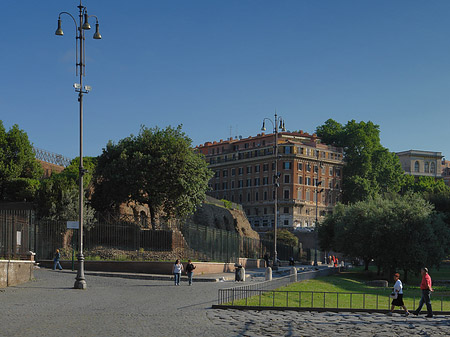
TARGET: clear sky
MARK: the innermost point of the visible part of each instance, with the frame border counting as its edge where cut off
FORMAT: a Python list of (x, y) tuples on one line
[(220, 67)]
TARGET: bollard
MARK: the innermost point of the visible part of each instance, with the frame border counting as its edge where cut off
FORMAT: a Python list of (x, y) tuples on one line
[(293, 273), (268, 274)]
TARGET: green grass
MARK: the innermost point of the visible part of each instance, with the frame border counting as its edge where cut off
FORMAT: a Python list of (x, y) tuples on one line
[(346, 290)]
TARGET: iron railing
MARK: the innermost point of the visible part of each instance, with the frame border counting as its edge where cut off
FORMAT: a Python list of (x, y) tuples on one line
[(17, 236), (320, 300)]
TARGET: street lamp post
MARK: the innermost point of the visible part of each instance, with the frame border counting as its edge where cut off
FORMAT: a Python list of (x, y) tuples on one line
[(276, 176), (83, 25), (317, 192)]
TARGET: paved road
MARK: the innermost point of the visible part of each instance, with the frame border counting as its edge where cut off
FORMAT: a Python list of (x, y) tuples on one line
[(133, 307)]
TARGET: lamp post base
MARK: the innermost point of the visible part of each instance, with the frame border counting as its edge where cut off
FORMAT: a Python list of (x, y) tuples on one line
[(80, 282)]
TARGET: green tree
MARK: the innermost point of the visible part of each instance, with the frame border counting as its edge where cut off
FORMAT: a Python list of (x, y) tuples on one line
[(19, 170), (58, 196), (370, 168), (284, 237), (398, 232), (157, 168)]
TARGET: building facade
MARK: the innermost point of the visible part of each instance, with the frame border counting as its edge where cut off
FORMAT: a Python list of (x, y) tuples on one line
[(446, 171), (245, 173), (421, 163)]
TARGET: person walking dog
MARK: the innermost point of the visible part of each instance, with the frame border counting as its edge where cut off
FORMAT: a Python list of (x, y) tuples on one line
[(425, 286)]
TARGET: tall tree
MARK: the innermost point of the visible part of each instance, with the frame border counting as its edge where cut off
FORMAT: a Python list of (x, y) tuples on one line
[(398, 232), (370, 168), (19, 170), (58, 196), (157, 168)]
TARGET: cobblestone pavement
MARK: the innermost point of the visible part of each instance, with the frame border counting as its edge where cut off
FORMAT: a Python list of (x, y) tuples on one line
[(114, 306), (304, 323)]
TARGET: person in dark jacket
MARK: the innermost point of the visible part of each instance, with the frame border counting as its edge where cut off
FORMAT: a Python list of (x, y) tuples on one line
[(190, 271), (56, 260)]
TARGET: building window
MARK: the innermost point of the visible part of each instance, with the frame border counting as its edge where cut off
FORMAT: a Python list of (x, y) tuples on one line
[(265, 195), (287, 178), (338, 172), (240, 171), (308, 167), (265, 180), (299, 166), (286, 210), (308, 195), (233, 171), (224, 185), (265, 167), (232, 184), (257, 181), (248, 197), (286, 194), (299, 194), (316, 169), (240, 198), (257, 167), (300, 180), (308, 181), (249, 169), (433, 167), (225, 173), (265, 210), (287, 165), (256, 196), (286, 222), (249, 182), (427, 167), (331, 172), (273, 166), (287, 150), (240, 183), (217, 175), (416, 167)]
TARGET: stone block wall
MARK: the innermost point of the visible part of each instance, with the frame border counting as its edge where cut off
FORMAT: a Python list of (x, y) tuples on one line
[(14, 272)]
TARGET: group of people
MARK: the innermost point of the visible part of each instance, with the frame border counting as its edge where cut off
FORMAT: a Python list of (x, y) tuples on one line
[(425, 287), (178, 268)]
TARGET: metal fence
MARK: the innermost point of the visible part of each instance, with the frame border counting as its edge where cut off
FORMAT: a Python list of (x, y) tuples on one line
[(320, 300), (17, 236)]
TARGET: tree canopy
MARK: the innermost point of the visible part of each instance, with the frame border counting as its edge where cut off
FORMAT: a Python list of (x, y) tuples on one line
[(19, 170), (157, 168), (58, 196), (397, 232), (370, 168)]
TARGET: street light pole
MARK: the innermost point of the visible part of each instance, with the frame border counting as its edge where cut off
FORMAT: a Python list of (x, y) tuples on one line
[(276, 183), (317, 192), (83, 25)]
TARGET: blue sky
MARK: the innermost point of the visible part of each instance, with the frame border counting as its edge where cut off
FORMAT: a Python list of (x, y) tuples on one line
[(220, 67)]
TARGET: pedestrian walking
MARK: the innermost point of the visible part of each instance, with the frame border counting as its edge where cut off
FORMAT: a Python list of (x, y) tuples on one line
[(425, 286), (176, 270), (397, 296), (56, 260), (266, 258), (190, 271)]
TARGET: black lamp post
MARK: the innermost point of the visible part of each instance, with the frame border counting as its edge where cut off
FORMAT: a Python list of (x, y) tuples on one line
[(317, 192), (276, 176), (83, 25)]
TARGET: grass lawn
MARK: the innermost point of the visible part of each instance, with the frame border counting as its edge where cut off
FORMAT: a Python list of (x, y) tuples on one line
[(348, 290)]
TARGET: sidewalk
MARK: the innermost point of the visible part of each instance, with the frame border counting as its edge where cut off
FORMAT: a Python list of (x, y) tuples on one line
[(257, 275)]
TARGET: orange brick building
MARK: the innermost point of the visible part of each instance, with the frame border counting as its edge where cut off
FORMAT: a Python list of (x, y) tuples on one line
[(245, 168)]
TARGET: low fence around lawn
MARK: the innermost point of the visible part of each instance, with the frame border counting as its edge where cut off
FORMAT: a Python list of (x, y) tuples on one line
[(230, 295), (265, 296)]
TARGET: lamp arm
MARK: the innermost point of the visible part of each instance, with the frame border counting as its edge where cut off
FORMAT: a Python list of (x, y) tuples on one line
[(76, 35)]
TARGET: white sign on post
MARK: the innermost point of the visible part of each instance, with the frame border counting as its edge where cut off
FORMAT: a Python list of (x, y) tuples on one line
[(73, 225)]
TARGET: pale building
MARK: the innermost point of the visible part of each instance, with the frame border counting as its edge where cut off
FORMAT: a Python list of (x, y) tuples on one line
[(421, 163)]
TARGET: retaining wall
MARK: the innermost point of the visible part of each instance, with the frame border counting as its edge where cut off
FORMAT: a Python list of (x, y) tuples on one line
[(14, 272), (155, 267)]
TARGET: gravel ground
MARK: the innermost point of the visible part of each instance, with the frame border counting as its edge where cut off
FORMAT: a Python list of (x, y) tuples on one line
[(114, 306)]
